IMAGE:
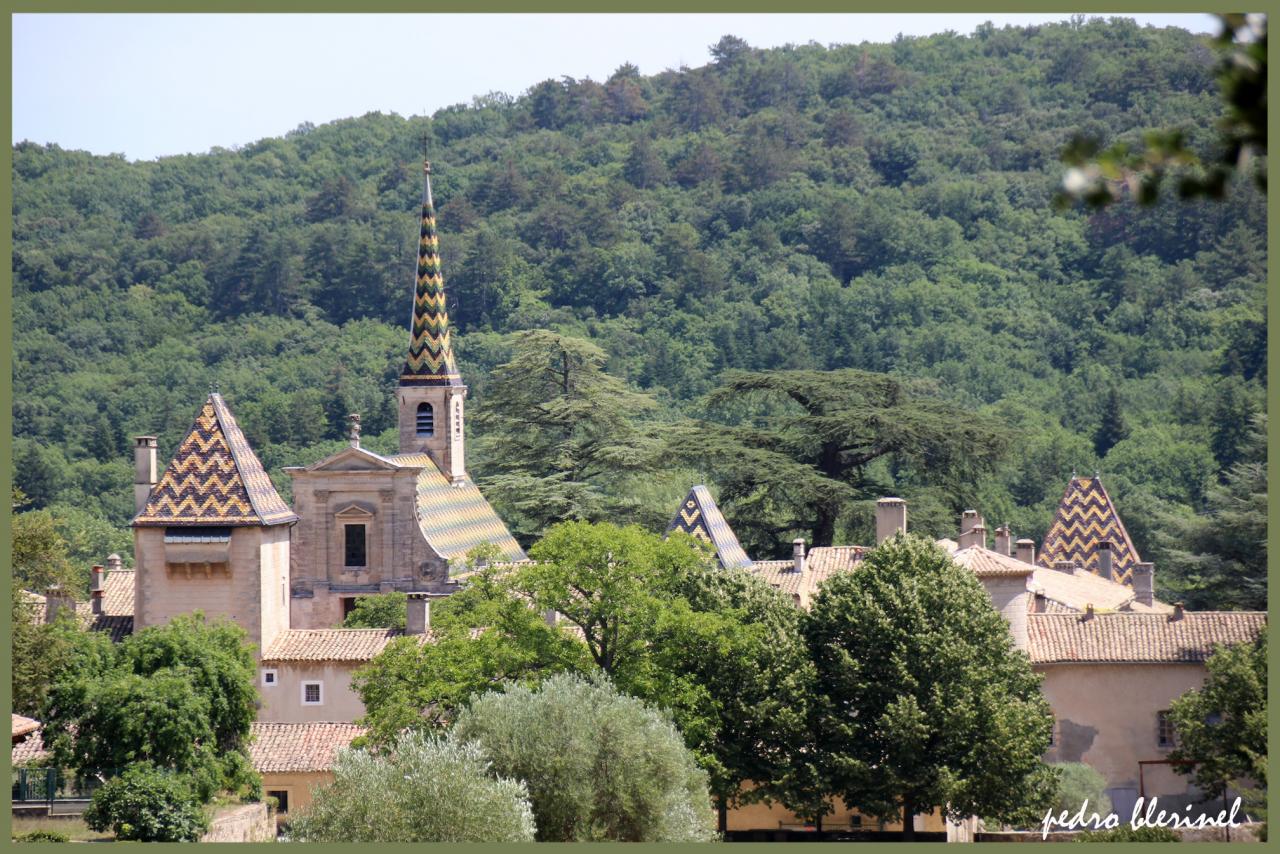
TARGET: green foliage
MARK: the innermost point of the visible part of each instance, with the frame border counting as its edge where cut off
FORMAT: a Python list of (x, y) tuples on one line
[(44, 653), (949, 713), (423, 789), (181, 696), (483, 636), (383, 611), (1129, 834), (148, 804), (42, 836), (40, 556), (1222, 726), (599, 766), (1077, 783)]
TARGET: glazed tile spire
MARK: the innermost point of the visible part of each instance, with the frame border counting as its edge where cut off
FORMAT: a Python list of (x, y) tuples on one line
[(430, 360)]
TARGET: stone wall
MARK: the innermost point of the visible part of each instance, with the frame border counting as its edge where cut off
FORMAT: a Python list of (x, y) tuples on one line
[(243, 823)]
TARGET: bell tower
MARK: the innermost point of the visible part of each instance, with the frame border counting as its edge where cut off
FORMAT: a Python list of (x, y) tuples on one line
[(431, 393)]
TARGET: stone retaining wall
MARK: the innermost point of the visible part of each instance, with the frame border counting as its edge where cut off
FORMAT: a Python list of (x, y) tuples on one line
[(243, 823)]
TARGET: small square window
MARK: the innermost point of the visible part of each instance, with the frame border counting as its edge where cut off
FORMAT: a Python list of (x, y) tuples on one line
[(1166, 733), (311, 694), (270, 677), (282, 799)]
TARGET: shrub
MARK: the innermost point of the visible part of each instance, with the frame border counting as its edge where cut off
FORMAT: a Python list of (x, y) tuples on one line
[(383, 611), (1078, 782), (147, 804), (423, 789), (599, 765), (42, 836), (1129, 834)]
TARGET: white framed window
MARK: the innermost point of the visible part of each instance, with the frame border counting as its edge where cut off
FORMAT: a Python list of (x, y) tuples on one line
[(1166, 733), (313, 693), (270, 678)]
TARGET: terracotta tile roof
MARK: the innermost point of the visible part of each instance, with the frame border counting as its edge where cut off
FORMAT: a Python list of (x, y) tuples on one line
[(986, 563), (456, 518), (116, 618), (826, 560), (700, 517), (23, 726), (782, 575), (214, 478), (1086, 517), (298, 747), (1075, 591), (331, 644), (1139, 638), (29, 750)]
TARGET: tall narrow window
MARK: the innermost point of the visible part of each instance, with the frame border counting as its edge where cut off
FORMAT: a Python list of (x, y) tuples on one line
[(355, 550), (426, 419), (1166, 734)]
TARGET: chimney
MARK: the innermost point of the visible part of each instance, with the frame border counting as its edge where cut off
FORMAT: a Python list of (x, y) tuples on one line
[(1040, 604), (1004, 540), (1177, 611), (974, 536), (1144, 583), (144, 466), (418, 615), (797, 553), (891, 518), (114, 564), (55, 600), (95, 589), (1088, 612), (552, 616), (968, 519), (1105, 567), (1025, 550), (1067, 566)]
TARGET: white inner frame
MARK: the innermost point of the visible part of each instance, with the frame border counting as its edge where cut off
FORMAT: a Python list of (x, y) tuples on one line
[(273, 681), (319, 687)]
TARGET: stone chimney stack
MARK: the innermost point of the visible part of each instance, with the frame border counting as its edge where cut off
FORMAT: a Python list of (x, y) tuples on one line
[(797, 553), (551, 616), (1004, 541), (974, 536), (1106, 568), (968, 519), (891, 518), (96, 591), (145, 473), (418, 616), (1144, 583), (55, 600), (1025, 550), (1177, 611), (114, 564), (1067, 566)]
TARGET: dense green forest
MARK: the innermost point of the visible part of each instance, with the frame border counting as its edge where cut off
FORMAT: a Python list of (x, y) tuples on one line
[(885, 207)]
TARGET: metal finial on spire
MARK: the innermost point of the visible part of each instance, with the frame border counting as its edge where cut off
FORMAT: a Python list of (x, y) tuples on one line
[(355, 429), (426, 183)]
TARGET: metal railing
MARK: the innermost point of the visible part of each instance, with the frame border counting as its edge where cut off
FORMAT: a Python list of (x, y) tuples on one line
[(47, 785)]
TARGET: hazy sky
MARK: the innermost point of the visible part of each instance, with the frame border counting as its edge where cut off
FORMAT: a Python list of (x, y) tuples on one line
[(152, 85)]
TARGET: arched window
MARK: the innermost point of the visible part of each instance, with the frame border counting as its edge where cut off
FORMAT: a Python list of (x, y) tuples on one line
[(426, 420)]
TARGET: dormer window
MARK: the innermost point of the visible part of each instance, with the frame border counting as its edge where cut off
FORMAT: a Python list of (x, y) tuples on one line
[(426, 419)]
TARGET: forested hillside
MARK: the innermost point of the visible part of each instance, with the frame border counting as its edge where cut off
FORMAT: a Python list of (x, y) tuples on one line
[(886, 207)]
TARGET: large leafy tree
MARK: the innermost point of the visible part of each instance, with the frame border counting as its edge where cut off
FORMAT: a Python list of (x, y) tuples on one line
[(558, 432), (925, 701), (424, 789), (1222, 726), (600, 766), (799, 466)]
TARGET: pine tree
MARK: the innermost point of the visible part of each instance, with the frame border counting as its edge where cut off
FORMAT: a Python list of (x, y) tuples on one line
[(1113, 429)]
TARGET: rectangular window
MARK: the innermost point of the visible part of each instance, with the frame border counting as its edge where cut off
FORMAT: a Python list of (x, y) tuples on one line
[(270, 678), (354, 539), (282, 799), (311, 694), (348, 605), (1166, 735)]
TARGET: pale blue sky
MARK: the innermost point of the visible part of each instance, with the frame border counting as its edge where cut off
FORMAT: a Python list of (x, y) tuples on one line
[(153, 85)]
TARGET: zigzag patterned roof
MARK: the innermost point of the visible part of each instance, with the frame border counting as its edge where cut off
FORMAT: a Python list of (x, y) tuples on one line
[(214, 478), (1086, 517), (699, 517), (430, 360)]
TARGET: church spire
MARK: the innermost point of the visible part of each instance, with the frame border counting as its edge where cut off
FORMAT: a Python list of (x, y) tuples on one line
[(430, 360)]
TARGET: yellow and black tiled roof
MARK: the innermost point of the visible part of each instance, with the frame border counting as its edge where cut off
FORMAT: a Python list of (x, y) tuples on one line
[(699, 517), (430, 360), (1086, 517), (214, 478)]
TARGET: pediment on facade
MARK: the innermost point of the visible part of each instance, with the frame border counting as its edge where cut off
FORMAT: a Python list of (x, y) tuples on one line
[(354, 511), (353, 459)]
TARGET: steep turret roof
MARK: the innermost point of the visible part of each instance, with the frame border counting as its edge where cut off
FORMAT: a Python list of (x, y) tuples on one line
[(430, 360), (1086, 517), (214, 478), (699, 517)]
